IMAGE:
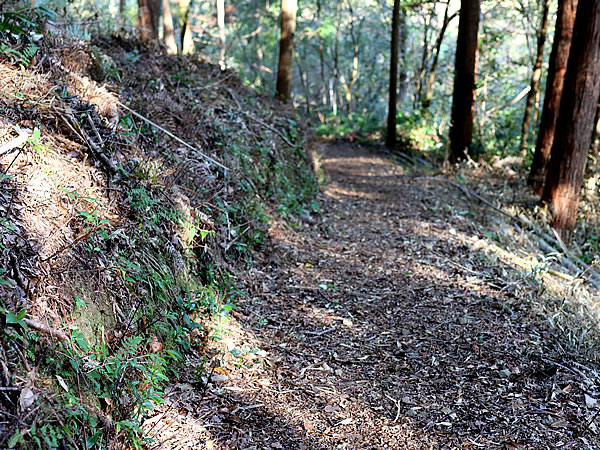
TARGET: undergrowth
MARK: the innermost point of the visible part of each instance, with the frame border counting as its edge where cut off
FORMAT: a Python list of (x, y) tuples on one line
[(139, 288)]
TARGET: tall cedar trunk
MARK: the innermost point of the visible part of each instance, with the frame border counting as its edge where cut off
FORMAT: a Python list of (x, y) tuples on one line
[(168, 30), (463, 98), (221, 25), (148, 15), (187, 41), (565, 19), (286, 48), (426, 100), (535, 77), (575, 119), (390, 140)]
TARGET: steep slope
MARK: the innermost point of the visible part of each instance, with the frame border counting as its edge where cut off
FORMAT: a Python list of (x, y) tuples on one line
[(134, 187)]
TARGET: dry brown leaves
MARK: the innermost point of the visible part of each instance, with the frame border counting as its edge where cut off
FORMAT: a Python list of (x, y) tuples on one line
[(391, 323)]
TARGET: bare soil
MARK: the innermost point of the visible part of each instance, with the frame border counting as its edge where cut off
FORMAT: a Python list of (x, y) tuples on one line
[(383, 324)]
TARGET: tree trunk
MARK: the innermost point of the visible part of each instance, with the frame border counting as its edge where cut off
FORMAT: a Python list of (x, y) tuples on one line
[(322, 59), (286, 48), (463, 98), (168, 30), (402, 40), (148, 15), (535, 77), (576, 119), (187, 41), (429, 82), (422, 72), (390, 140), (595, 147), (565, 19), (145, 21), (304, 82), (121, 8), (221, 24)]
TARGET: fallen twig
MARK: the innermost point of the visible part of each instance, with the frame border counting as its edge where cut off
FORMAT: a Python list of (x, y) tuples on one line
[(62, 337), (168, 133), (273, 129), (16, 142), (566, 259)]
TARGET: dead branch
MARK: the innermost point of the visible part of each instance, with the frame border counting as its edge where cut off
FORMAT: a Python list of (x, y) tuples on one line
[(168, 133), (62, 337), (566, 259), (16, 142)]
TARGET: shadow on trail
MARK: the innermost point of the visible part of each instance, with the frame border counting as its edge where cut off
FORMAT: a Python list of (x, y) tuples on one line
[(385, 325)]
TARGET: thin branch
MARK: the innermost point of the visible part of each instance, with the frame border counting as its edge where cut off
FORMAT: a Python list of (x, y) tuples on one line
[(168, 133), (16, 142), (62, 337)]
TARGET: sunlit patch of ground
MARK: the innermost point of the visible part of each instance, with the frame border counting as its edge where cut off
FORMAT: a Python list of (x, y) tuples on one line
[(394, 323)]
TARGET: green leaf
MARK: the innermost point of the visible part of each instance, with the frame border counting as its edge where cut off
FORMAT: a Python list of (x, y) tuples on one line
[(14, 439), (11, 319)]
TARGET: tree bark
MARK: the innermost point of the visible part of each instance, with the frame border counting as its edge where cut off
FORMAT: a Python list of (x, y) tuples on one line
[(168, 30), (576, 119), (390, 140), (535, 77), (148, 15), (565, 19), (463, 98), (187, 41), (286, 49), (221, 25)]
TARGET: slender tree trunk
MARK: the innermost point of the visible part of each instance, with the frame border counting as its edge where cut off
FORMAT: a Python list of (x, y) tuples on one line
[(147, 22), (121, 8), (565, 19), (286, 49), (336, 60), (168, 30), (463, 98), (429, 82), (187, 41), (221, 24), (595, 147), (349, 86), (535, 77), (421, 74), (576, 119), (322, 59), (304, 81), (402, 40), (390, 140)]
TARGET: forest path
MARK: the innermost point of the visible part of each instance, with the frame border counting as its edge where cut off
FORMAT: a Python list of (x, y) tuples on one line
[(382, 326)]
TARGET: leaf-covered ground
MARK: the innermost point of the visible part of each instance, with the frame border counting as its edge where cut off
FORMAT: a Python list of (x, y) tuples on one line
[(386, 323)]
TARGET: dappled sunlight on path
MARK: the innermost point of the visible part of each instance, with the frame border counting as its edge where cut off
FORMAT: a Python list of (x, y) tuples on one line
[(384, 325)]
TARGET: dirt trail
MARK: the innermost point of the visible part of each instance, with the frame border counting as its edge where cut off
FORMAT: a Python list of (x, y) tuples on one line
[(383, 326)]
